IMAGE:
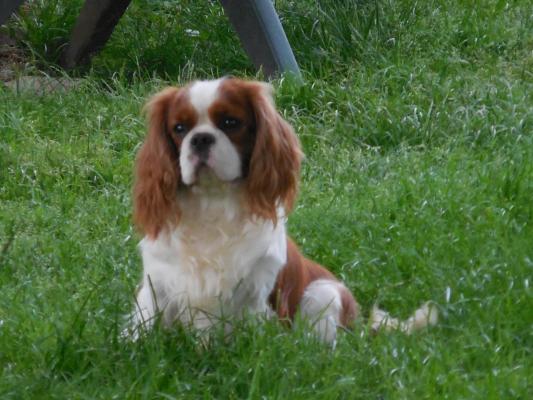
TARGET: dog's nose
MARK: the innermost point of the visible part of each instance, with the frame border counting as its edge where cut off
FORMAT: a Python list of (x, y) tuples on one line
[(201, 142)]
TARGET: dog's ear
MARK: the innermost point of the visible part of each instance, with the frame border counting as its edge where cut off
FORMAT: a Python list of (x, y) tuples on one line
[(157, 171), (274, 169)]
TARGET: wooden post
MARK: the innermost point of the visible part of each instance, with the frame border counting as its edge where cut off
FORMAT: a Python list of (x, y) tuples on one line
[(94, 26), (8, 7)]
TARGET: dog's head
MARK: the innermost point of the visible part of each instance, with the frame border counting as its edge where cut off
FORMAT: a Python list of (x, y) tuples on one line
[(226, 128)]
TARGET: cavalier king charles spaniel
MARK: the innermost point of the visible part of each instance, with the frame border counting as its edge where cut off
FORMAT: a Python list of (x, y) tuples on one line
[(216, 177)]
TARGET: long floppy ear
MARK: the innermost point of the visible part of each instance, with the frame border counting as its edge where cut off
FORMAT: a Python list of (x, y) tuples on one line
[(157, 178), (274, 170)]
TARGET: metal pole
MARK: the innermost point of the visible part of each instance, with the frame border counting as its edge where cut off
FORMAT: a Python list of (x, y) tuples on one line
[(258, 26)]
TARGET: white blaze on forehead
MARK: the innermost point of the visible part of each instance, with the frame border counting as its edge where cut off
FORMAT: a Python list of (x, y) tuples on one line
[(202, 94)]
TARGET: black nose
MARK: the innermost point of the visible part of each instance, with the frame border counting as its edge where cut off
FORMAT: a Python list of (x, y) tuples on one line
[(201, 142)]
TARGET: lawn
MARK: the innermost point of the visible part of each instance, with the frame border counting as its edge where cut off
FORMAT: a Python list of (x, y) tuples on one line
[(416, 118)]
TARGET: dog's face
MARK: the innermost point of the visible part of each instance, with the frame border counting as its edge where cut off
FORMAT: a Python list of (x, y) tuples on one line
[(227, 128), (213, 126)]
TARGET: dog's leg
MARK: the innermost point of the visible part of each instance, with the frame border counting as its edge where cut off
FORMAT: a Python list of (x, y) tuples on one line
[(327, 304), (144, 313)]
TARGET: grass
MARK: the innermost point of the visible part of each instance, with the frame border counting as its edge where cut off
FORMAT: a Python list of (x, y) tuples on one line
[(417, 121)]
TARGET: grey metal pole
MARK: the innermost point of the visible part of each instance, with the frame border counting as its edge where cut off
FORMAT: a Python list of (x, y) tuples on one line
[(258, 26)]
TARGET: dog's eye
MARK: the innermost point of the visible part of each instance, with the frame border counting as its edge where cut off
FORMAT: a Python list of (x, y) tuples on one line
[(229, 123), (180, 129)]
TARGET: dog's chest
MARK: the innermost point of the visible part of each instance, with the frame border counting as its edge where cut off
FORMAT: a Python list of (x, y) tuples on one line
[(216, 256)]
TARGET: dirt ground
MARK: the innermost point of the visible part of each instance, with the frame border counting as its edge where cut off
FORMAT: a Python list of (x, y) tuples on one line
[(17, 73), (12, 60)]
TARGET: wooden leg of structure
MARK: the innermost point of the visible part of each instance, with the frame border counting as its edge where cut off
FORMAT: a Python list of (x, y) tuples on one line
[(94, 26), (8, 7)]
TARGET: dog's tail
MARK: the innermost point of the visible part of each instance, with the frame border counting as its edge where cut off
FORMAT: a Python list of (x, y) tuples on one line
[(427, 315)]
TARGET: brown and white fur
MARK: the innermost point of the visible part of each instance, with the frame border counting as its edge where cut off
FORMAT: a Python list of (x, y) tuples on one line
[(215, 180)]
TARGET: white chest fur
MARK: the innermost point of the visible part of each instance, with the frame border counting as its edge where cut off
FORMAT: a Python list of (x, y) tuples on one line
[(218, 261)]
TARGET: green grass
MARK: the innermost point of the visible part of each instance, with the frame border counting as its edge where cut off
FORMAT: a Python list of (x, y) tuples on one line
[(417, 122)]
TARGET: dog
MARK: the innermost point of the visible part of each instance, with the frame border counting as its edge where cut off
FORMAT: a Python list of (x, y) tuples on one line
[(216, 178)]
